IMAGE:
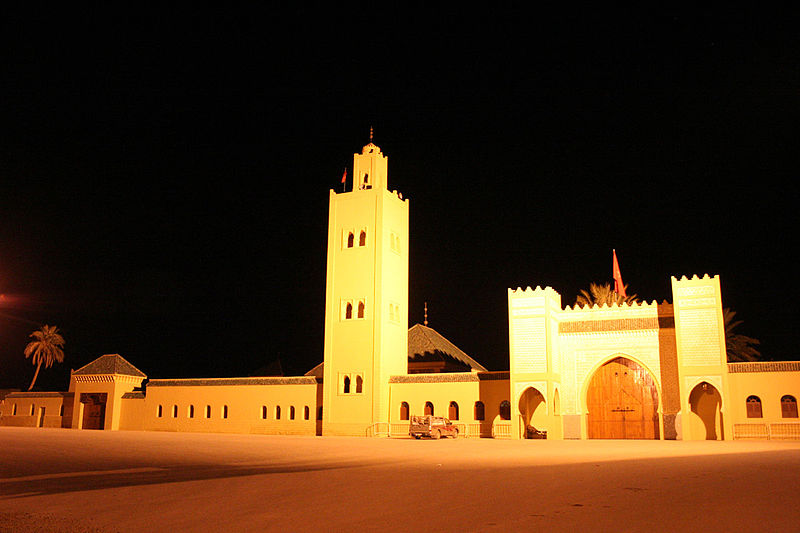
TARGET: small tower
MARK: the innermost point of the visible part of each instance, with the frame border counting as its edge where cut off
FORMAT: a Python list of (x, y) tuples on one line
[(702, 359), (366, 299)]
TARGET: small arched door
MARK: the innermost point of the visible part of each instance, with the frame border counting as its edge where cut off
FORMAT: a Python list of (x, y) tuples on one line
[(532, 408), (705, 419), (622, 402)]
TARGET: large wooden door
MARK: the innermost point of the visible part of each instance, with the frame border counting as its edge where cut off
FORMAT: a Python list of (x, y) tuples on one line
[(622, 400), (94, 410)]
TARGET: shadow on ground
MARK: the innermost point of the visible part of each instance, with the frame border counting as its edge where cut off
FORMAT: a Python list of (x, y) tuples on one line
[(81, 481)]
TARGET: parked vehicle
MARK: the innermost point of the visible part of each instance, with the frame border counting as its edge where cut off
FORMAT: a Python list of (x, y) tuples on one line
[(433, 427)]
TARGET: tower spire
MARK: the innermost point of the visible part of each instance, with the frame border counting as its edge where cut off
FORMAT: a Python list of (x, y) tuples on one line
[(425, 321), (369, 167)]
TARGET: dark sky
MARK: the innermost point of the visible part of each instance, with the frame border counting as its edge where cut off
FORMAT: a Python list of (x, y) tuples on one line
[(164, 176)]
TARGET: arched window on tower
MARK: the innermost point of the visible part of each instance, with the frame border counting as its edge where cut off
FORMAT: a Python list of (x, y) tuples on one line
[(452, 412), (348, 311), (403, 410), (480, 411), (789, 407), (350, 239), (362, 239), (359, 384), (361, 309), (754, 407), (346, 385), (428, 408)]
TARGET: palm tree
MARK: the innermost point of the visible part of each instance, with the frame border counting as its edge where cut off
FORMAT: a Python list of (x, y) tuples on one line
[(603, 294), (740, 348), (46, 349)]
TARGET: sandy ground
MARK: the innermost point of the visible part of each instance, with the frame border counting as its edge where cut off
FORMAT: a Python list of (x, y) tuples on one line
[(68, 480)]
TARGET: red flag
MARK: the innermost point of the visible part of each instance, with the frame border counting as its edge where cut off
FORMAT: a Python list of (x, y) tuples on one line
[(344, 176), (619, 287)]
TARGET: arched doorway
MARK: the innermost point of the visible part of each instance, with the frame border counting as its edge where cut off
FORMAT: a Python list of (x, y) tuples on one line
[(622, 402), (706, 402), (532, 408)]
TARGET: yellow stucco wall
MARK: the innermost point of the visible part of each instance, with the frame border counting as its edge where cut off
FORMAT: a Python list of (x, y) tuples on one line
[(701, 353), (465, 389), (535, 359), (37, 409), (236, 405), (113, 385), (769, 382), (560, 349), (556, 352)]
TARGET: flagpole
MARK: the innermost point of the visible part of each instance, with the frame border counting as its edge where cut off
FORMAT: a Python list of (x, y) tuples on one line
[(619, 287)]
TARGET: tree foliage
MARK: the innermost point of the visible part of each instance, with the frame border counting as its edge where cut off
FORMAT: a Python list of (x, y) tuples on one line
[(603, 294), (740, 348), (45, 350)]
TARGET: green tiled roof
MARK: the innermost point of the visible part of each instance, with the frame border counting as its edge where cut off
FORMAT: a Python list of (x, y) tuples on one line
[(208, 382), (427, 344), (110, 364), (454, 377)]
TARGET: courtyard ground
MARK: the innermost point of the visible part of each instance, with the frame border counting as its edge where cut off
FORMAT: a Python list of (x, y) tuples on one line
[(69, 480)]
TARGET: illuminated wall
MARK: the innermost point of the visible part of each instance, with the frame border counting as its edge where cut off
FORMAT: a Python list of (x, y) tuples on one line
[(535, 359), (366, 303), (267, 405), (701, 355), (680, 345)]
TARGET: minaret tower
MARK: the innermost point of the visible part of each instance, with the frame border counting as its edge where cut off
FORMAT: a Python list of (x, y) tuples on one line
[(366, 299)]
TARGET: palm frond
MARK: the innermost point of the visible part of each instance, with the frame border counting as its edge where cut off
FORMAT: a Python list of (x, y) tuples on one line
[(739, 348), (599, 294), (46, 349)]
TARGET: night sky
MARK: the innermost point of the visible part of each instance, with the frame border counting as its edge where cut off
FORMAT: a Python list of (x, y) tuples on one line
[(164, 176)]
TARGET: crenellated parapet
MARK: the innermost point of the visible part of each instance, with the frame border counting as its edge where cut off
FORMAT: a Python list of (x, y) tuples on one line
[(533, 301), (532, 324), (622, 306), (697, 304), (696, 279), (603, 318)]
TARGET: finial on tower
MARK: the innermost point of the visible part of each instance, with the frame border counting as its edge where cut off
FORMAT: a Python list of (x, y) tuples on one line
[(425, 321), (370, 134)]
